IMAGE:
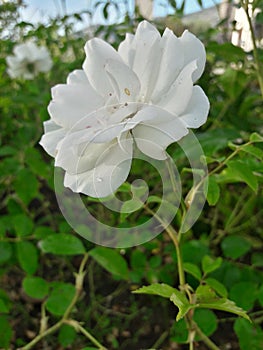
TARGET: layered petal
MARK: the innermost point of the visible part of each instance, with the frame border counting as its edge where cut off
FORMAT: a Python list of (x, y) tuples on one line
[(127, 49), (98, 53), (193, 50), (171, 64), (111, 171), (177, 98), (197, 110), (147, 57), (50, 140), (153, 138), (124, 81), (74, 100)]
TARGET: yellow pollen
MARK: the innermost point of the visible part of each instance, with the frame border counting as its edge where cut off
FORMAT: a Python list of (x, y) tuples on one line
[(127, 91)]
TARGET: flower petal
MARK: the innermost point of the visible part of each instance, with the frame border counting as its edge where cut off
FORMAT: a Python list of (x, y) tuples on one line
[(98, 53), (127, 49), (73, 101), (172, 62), (147, 57), (177, 98), (153, 140), (197, 110), (49, 141), (193, 50), (107, 176), (123, 80)]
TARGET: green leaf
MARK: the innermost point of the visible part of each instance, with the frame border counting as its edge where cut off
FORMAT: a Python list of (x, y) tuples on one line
[(254, 151), (193, 251), (180, 300), (5, 332), (166, 291), (161, 289), (3, 307), (213, 193), (209, 264), (235, 246), (250, 335), (240, 171), (255, 137), (257, 259), (23, 225), (193, 270), (60, 298), (218, 287), (207, 299), (260, 295), (206, 321), (244, 294), (62, 244), (138, 259), (26, 185), (27, 255), (179, 332), (5, 252), (35, 287), (67, 335), (111, 260)]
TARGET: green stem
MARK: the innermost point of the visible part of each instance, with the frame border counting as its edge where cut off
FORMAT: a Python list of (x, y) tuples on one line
[(255, 50), (39, 337), (211, 345), (174, 237), (64, 320)]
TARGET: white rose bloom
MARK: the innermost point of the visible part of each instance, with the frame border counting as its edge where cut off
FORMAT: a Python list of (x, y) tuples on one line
[(142, 94), (28, 60)]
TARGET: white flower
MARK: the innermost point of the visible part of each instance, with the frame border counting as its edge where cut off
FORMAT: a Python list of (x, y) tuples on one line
[(142, 94), (28, 60)]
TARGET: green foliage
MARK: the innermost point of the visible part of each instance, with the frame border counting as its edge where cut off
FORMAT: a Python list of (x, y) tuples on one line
[(60, 298), (110, 260), (62, 244), (35, 287), (40, 254)]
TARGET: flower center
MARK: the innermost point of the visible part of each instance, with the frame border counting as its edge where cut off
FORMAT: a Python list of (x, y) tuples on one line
[(30, 67)]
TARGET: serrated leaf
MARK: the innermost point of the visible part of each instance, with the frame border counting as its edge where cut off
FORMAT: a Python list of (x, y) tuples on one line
[(213, 192), (217, 286), (5, 332), (254, 151), (111, 260), (244, 294), (206, 321), (3, 307), (235, 246), (26, 185), (62, 244), (206, 298), (166, 291), (209, 264), (27, 255), (241, 171), (255, 137), (67, 335), (35, 287), (5, 252), (193, 270), (161, 289), (179, 299), (250, 335), (23, 225), (60, 298)]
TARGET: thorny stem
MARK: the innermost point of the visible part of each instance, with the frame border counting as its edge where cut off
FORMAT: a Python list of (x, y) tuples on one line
[(65, 319), (255, 50)]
